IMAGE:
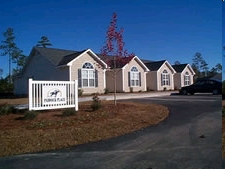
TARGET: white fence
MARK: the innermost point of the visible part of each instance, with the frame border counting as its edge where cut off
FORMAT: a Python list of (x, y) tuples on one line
[(52, 94)]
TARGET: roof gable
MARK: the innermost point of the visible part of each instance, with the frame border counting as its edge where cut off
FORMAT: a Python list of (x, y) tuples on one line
[(154, 66), (66, 59), (139, 61), (80, 54), (181, 67)]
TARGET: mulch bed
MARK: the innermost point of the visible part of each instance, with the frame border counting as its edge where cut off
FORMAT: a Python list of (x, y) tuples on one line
[(50, 130)]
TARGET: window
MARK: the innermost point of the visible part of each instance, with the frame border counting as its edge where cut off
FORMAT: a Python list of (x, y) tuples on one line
[(134, 77), (186, 79), (165, 78), (88, 75)]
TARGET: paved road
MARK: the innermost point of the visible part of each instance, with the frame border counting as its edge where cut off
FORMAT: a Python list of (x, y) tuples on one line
[(189, 139)]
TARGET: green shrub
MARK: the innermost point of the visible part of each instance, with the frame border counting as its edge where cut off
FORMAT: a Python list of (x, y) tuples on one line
[(149, 89), (223, 87), (106, 91), (131, 90), (93, 94), (5, 86), (69, 112), (6, 109), (96, 103), (223, 112), (30, 115), (80, 92)]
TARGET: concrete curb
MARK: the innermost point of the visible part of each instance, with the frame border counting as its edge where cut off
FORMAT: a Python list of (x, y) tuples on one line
[(119, 96)]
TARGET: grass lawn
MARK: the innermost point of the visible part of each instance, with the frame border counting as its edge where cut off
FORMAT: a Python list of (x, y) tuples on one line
[(51, 130)]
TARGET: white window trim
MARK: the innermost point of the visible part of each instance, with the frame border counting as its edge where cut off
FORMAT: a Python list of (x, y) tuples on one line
[(88, 78), (134, 76), (187, 79), (165, 78)]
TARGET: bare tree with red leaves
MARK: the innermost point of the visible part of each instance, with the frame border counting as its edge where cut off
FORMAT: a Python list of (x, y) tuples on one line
[(113, 51)]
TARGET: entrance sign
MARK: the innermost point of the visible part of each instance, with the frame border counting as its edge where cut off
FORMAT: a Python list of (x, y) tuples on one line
[(52, 94)]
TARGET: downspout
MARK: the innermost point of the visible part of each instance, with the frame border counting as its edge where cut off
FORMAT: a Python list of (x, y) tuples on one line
[(70, 73), (104, 80), (123, 79), (145, 88)]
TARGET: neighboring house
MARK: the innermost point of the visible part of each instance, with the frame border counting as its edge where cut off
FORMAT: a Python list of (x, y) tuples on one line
[(63, 65), (184, 75), (160, 76), (217, 76), (130, 75)]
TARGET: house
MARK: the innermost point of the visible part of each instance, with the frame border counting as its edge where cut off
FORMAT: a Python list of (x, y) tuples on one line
[(160, 77), (184, 75), (95, 74), (128, 76), (63, 65), (217, 76)]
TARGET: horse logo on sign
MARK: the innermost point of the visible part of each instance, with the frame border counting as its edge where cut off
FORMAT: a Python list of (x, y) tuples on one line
[(54, 93)]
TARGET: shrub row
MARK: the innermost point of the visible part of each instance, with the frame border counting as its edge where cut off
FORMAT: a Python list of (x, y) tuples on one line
[(29, 115), (223, 112), (6, 109)]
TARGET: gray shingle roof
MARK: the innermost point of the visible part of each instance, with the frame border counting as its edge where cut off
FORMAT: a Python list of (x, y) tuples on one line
[(154, 66), (54, 55), (217, 76), (120, 61), (68, 58), (179, 68), (146, 61)]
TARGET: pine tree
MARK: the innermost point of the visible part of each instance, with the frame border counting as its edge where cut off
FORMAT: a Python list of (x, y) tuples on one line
[(199, 65), (9, 48), (43, 42)]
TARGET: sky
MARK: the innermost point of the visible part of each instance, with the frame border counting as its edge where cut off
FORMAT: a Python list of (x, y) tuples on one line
[(223, 38), (155, 30)]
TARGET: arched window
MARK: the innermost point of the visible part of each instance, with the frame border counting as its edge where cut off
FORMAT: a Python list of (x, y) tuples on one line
[(186, 79), (87, 65), (134, 77), (165, 78), (88, 75)]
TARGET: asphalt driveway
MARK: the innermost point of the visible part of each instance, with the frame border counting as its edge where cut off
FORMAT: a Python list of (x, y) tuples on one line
[(190, 138)]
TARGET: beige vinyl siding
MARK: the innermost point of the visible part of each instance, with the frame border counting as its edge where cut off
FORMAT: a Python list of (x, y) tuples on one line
[(127, 69), (119, 81), (78, 63), (110, 80), (179, 78), (182, 76), (39, 68), (177, 81), (160, 71), (151, 79)]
